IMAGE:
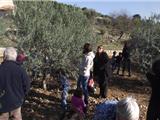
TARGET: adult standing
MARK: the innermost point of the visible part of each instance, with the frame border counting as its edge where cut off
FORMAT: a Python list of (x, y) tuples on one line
[(14, 85), (126, 59), (102, 70), (118, 62), (85, 68), (153, 112)]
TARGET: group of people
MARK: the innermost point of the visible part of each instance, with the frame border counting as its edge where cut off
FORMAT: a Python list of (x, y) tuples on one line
[(122, 60), (102, 74), (15, 84), (125, 109), (100, 64)]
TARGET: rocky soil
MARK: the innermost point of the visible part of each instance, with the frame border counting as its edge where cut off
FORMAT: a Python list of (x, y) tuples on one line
[(45, 105)]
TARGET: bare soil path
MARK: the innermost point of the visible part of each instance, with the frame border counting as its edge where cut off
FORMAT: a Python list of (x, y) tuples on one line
[(45, 105)]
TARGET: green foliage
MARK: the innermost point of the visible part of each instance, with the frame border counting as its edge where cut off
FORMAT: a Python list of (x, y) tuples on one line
[(136, 20), (90, 13), (2, 26), (5, 25), (52, 34), (146, 42), (123, 23), (102, 30)]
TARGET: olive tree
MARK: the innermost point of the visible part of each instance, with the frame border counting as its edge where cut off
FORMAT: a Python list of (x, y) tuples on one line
[(145, 40), (52, 35)]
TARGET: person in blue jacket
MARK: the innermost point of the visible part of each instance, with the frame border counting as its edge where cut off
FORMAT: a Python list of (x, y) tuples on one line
[(14, 86), (125, 109)]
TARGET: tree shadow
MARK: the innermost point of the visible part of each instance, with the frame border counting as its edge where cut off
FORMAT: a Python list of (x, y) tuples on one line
[(41, 106), (130, 84)]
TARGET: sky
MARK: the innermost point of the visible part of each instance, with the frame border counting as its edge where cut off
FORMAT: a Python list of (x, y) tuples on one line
[(143, 7)]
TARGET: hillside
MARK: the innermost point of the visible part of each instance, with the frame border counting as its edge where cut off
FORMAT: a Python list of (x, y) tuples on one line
[(106, 27), (45, 104), (53, 36), (113, 30)]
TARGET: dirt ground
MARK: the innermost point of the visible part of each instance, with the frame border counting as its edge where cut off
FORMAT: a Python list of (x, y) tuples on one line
[(45, 105)]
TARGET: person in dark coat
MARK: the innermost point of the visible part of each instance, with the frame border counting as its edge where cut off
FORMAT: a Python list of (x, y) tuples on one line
[(14, 86), (102, 70), (126, 59), (153, 76), (118, 62), (113, 61)]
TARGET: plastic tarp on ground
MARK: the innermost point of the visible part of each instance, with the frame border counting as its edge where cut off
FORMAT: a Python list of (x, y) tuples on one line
[(6, 5)]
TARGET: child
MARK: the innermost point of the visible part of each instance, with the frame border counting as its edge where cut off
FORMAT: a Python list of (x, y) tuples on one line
[(65, 85), (78, 104)]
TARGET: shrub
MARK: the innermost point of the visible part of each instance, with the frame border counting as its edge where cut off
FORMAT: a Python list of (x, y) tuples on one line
[(146, 42), (52, 35)]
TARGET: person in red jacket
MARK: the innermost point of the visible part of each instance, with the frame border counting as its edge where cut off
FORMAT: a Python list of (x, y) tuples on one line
[(21, 57)]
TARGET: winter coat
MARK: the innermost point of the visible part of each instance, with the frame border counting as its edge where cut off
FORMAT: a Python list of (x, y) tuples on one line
[(14, 85), (102, 65), (126, 52), (86, 64)]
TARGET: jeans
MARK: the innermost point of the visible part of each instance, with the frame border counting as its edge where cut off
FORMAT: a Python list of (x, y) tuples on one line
[(64, 97), (82, 83)]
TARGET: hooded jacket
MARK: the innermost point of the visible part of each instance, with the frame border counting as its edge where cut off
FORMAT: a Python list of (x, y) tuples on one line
[(14, 85), (87, 64)]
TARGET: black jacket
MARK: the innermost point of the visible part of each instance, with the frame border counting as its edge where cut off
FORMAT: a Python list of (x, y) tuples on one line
[(14, 85), (154, 79), (100, 64), (118, 59), (126, 52)]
